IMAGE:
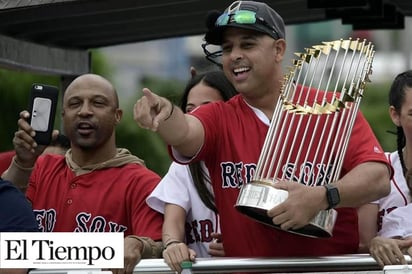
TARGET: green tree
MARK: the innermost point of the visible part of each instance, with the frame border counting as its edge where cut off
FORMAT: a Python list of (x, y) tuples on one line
[(14, 97), (375, 106)]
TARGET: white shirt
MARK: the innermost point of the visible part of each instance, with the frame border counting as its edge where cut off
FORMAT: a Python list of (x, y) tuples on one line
[(177, 187), (398, 223), (399, 195)]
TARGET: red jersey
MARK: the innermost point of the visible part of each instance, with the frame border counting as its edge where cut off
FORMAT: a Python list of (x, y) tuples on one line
[(234, 136), (5, 160), (105, 200)]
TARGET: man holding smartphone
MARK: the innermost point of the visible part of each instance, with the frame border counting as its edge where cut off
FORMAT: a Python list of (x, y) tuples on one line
[(95, 186)]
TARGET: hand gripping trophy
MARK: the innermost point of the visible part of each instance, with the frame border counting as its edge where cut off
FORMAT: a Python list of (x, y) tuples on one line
[(310, 131)]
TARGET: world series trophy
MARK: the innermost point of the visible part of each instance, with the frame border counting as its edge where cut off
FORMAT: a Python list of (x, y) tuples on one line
[(310, 130)]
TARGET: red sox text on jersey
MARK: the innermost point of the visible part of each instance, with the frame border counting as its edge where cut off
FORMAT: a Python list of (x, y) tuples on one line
[(234, 175), (85, 222), (199, 231)]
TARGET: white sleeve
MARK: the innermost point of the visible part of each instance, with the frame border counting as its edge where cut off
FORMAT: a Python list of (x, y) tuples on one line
[(397, 223), (173, 189)]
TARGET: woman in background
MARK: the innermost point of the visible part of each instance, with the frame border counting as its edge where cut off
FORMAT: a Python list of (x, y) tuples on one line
[(184, 195), (382, 229)]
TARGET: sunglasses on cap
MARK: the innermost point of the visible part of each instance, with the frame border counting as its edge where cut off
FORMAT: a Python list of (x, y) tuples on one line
[(243, 17)]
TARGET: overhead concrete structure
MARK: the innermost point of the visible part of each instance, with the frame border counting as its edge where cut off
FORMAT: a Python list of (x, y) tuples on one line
[(54, 36)]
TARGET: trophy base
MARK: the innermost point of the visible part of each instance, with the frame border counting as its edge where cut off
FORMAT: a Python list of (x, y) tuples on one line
[(256, 198)]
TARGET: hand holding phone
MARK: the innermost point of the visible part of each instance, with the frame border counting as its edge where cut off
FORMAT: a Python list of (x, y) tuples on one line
[(43, 105)]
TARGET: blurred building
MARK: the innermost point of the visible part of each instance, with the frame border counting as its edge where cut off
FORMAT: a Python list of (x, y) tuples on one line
[(171, 58)]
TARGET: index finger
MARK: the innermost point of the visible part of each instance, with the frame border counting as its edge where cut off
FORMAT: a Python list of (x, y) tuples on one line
[(142, 110), (152, 98), (24, 114), (23, 123), (161, 107)]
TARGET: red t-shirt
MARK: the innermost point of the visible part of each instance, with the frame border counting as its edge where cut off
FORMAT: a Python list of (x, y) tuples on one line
[(105, 200), (5, 160), (234, 136)]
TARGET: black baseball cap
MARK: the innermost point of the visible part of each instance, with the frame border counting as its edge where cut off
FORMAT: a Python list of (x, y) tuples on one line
[(268, 21)]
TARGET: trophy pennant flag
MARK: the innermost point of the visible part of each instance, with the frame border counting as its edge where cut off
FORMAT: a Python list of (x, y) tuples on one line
[(310, 130)]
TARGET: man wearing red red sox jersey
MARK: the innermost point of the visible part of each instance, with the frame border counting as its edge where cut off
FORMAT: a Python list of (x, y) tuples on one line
[(95, 187), (229, 137)]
